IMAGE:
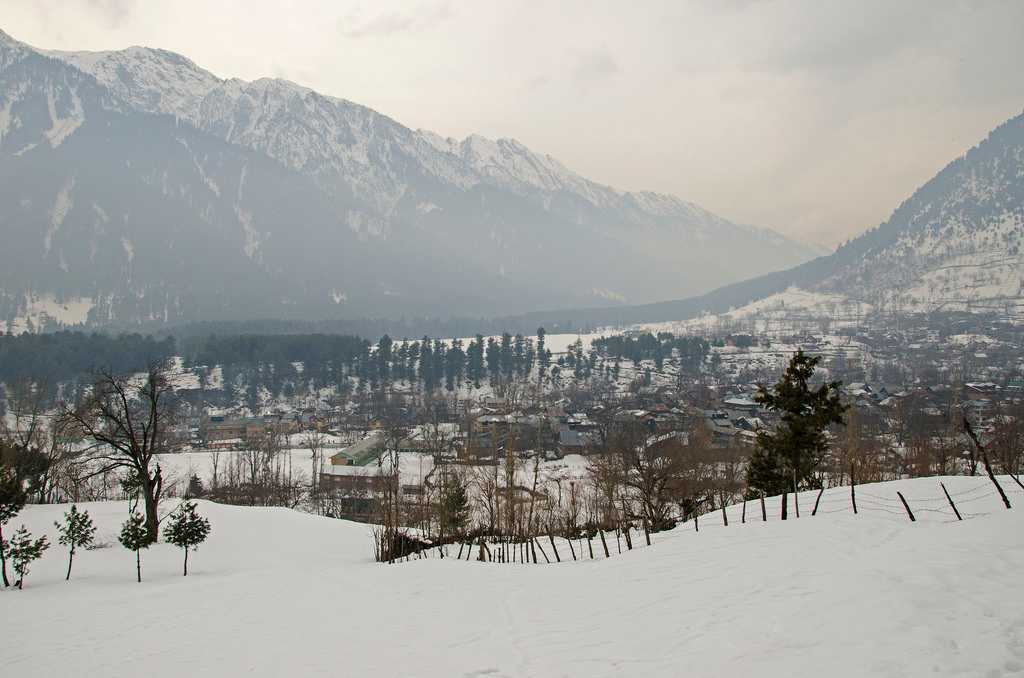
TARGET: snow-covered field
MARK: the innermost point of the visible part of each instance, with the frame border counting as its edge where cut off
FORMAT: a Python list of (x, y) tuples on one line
[(277, 592)]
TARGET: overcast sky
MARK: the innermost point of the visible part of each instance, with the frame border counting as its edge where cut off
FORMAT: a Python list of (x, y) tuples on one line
[(814, 118)]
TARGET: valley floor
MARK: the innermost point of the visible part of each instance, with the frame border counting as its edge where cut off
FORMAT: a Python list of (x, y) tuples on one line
[(281, 593)]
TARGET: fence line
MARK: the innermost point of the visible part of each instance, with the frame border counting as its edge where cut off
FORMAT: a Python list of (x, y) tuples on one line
[(897, 509)]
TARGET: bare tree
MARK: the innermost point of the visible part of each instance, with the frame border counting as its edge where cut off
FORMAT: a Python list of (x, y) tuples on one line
[(215, 468), (653, 469), (314, 442), (130, 423)]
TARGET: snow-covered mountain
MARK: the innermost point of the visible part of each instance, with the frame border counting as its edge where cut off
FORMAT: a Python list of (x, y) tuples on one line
[(957, 244), (144, 188)]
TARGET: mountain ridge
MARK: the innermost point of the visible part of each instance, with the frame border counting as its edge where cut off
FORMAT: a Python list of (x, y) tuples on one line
[(490, 226)]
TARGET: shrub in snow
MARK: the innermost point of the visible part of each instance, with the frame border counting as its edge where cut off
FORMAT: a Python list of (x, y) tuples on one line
[(186, 529), (23, 551), (12, 500), (135, 537), (76, 532)]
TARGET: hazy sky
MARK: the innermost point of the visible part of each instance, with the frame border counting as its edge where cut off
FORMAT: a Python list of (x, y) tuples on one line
[(814, 118)]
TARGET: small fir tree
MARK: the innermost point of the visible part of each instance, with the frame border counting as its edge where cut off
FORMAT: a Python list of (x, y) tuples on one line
[(454, 504), (23, 551), (12, 500), (787, 458), (186, 529), (77, 531), (135, 537)]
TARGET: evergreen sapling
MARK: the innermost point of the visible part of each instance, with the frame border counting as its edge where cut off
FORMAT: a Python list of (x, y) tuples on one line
[(135, 537), (12, 500), (76, 532), (23, 551), (186, 529)]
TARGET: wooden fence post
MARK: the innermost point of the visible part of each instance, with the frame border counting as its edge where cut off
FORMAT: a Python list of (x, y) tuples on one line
[(554, 548), (542, 551), (820, 492), (743, 516), (590, 545), (725, 518), (796, 495), (984, 459), (907, 506), (785, 504), (647, 533), (696, 527), (992, 477), (629, 539), (571, 549), (853, 496), (950, 499), (604, 543), (764, 513)]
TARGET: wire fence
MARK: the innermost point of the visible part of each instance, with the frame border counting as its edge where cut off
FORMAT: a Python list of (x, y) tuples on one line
[(907, 503)]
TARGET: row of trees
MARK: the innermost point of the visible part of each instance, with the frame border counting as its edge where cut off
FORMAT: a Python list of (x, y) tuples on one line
[(184, 528), (60, 366), (690, 351)]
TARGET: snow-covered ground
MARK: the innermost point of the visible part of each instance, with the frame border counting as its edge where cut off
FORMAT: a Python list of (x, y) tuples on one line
[(277, 592), (774, 314)]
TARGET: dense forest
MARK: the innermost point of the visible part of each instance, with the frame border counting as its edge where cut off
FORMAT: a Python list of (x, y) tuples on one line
[(65, 356)]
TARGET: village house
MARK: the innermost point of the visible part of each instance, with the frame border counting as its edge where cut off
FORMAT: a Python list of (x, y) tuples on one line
[(222, 431)]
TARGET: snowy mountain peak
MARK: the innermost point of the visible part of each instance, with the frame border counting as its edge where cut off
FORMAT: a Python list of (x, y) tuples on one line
[(152, 80)]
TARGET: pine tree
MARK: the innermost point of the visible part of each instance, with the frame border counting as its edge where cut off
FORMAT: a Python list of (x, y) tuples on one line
[(505, 358), (187, 529), (475, 360), (134, 537), (493, 355), (788, 457), (23, 551), (76, 532), (12, 500), (427, 374), (543, 357), (454, 504)]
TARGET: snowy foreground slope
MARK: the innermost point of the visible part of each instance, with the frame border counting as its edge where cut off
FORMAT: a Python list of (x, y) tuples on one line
[(277, 592)]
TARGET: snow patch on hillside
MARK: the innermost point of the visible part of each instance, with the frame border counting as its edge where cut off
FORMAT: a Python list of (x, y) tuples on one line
[(41, 309), (61, 206)]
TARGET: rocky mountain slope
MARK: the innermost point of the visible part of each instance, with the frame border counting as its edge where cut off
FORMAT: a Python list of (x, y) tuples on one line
[(138, 187)]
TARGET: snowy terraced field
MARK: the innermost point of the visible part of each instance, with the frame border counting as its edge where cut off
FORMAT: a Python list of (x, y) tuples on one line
[(277, 592)]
